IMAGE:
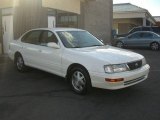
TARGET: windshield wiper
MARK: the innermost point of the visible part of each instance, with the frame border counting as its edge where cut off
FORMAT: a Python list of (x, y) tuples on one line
[(97, 45), (76, 47), (94, 45)]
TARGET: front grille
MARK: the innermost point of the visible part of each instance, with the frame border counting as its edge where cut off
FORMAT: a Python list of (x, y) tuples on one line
[(135, 65), (134, 81)]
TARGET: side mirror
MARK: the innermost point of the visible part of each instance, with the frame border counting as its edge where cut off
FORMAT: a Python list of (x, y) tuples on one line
[(129, 37), (53, 45)]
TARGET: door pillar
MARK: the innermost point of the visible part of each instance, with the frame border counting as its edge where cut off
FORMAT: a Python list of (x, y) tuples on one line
[(144, 21)]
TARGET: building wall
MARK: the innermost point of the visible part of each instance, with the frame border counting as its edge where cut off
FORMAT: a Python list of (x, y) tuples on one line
[(157, 23), (96, 17), (1, 38), (124, 25), (28, 15), (65, 5), (6, 3)]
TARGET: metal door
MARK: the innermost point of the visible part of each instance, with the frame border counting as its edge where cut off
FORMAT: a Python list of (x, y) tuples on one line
[(51, 22)]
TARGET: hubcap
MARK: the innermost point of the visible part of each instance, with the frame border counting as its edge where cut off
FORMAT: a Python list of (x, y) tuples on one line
[(154, 46), (78, 81), (19, 63), (119, 44)]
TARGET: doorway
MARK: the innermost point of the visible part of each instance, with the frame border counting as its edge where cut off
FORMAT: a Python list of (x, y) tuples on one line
[(51, 21), (7, 23)]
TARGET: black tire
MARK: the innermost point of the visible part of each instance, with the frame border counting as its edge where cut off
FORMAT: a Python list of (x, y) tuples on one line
[(155, 46), (84, 83), (120, 44), (19, 63)]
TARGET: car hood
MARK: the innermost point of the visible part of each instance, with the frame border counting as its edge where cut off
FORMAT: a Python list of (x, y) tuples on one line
[(109, 54)]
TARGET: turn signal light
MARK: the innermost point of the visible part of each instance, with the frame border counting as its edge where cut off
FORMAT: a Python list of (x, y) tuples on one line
[(114, 80)]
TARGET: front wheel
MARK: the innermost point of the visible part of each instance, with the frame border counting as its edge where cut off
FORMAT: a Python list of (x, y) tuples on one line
[(19, 62), (80, 81), (119, 44)]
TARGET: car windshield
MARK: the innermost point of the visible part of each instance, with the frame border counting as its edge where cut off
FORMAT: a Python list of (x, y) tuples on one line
[(78, 39)]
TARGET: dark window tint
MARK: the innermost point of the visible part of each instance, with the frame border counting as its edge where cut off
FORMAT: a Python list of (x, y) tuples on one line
[(135, 35), (32, 37), (147, 35), (135, 30), (156, 29), (146, 29), (47, 37)]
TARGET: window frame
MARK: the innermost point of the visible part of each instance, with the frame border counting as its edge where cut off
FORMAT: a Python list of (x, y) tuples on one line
[(29, 33), (143, 37), (133, 34), (58, 43)]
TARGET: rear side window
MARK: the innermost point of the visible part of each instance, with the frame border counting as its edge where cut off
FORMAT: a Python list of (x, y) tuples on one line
[(32, 37), (147, 35)]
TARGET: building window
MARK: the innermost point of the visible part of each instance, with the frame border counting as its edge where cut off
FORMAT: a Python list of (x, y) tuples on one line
[(66, 19)]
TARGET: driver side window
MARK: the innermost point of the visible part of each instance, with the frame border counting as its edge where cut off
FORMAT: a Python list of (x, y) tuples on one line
[(48, 37)]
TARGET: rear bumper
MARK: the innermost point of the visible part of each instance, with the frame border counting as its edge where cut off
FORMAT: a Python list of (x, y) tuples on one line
[(130, 78)]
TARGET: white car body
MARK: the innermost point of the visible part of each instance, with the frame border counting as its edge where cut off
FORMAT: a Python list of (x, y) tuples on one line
[(57, 61)]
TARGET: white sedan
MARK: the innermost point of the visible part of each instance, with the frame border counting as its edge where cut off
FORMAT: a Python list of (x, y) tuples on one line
[(79, 57)]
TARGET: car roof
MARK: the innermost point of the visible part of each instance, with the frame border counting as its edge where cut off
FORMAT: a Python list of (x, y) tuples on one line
[(145, 27), (144, 32), (58, 29)]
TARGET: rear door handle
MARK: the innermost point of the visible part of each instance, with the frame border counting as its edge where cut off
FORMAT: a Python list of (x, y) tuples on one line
[(39, 50), (24, 47)]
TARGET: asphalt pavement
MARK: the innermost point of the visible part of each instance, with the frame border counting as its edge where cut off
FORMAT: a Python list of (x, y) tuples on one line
[(37, 95)]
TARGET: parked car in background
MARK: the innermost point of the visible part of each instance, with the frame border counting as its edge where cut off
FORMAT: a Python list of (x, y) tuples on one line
[(155, 29), (79, 57), (140, 39)]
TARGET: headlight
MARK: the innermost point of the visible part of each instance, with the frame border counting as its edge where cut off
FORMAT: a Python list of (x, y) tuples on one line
[(144, 62), (116, 68)]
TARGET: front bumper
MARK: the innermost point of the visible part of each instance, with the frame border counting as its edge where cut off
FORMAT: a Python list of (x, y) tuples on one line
[(130, 78)]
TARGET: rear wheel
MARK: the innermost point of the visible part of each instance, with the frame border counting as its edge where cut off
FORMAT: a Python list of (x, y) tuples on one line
[(79, 80), (155, 46), (119, 44), (19, 62)]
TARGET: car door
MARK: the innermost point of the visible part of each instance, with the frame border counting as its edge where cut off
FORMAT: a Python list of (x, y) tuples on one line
[(31, 48), (146, 39), (138, 41), (131, 40), (50, 57)]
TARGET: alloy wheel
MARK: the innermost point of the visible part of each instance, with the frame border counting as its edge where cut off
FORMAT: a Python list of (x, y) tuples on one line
[(154, 46), (119, 44), (20, 63), (78, 81)]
